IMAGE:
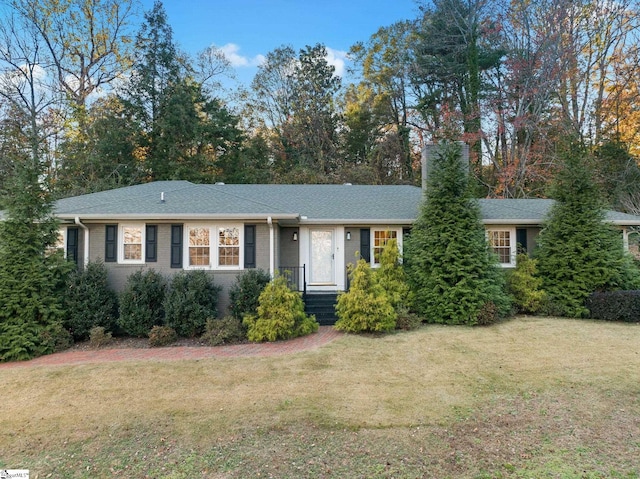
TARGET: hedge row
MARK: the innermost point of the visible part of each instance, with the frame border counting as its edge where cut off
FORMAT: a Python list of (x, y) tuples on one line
[(615, 306)]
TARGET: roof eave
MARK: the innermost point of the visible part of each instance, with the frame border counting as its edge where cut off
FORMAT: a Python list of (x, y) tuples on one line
[(177, 217), (505, 221), (357, 221)]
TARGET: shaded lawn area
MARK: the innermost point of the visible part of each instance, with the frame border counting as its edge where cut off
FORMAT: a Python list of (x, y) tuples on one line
[(529, 397)]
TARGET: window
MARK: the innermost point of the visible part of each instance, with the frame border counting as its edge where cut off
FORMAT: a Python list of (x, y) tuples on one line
[(380, 239), (131, 247), (503, 245), (228, 246), (214, 247), (199, 247), (59, 244)]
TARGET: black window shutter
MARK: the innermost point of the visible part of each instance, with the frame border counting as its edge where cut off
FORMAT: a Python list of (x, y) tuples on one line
[(151, 244), (249, 246), (176, 246), (521, 239), (72, 245), (111, 244), (365, 245)]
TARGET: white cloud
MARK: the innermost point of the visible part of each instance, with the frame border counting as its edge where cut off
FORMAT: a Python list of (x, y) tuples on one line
[(337, 58), (231, 53)]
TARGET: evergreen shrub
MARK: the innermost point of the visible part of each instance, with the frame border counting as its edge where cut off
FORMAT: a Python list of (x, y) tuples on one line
[(366, 306), (390, 275), (227, 330), (615, 306), (244, 294), (525, 286), (141, 301), (280, 314), (192, 297), (162, 336), (99, 337), (90, 301)]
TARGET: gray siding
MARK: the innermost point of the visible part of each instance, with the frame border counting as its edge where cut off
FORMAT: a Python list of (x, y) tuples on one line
[(289, 254), (118, 273), (352, 246)]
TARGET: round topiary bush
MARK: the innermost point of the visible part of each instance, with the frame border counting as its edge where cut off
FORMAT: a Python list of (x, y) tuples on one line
[(90, 301), (191, 299), (141, 303)]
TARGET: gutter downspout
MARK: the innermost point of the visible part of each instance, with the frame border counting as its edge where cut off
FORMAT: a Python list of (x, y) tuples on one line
[(85, 259), (272, 256)]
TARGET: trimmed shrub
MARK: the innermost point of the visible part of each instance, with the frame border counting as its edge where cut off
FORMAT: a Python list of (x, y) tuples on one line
[(366, 306), (525, 287), (162, 336), (280, 314), (90, 301), (228, 330), (191, 299), (141, 303), (99, 337), (615, 306), (244, 294)]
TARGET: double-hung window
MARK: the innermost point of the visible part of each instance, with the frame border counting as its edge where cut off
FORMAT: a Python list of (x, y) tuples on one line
[(199, 246), (216, 247), (229, 246), (503, 244), (380, 238), (131, 247)]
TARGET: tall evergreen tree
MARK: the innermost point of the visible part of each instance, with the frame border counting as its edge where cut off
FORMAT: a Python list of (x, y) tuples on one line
[(183, 132), (578, 252), (454, 276), (32, 277)]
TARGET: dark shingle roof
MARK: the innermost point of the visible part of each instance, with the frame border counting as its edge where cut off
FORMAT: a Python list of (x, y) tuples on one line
[(397, 204)]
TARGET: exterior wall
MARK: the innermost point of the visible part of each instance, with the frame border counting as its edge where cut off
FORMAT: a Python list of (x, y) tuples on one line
[(262, 246), (289, 251), (352, 246), (118, 273)]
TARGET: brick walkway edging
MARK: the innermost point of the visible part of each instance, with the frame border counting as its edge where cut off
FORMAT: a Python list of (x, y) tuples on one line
[(325, 335)]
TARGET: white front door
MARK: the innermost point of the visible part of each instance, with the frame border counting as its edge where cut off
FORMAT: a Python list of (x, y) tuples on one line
[(321, 257)]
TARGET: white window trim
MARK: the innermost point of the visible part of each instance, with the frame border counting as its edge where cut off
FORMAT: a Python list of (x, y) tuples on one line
[(62, 232), (372, 240), (512, 244), (214, 246), (121, 228)]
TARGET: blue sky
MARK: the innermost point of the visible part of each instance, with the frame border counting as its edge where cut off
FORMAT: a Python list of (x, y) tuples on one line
[(247, 30)]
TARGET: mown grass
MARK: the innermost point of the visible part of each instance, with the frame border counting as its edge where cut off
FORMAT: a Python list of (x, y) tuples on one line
[(531, 397)]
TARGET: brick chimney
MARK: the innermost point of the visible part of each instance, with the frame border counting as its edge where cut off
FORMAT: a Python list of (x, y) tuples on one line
[(431, 149)]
